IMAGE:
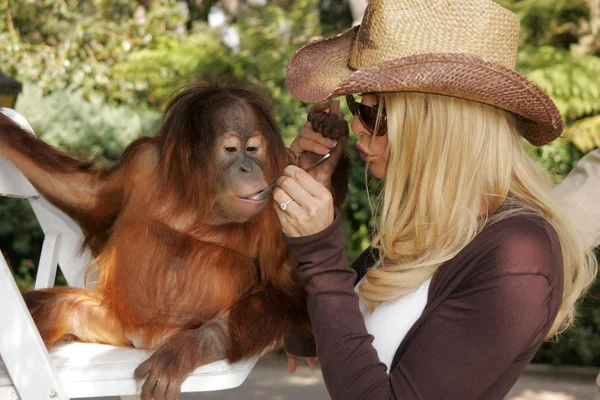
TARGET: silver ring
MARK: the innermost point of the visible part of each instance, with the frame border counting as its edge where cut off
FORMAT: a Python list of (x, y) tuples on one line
[(284, 205)]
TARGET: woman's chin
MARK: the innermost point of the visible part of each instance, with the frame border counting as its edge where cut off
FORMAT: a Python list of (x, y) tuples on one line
[(377, 171)]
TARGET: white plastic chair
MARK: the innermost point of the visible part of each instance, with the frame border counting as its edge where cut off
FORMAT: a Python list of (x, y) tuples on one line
[(70, 370)]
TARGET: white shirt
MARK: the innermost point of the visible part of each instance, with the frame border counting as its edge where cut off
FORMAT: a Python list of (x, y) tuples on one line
[(391, 320)]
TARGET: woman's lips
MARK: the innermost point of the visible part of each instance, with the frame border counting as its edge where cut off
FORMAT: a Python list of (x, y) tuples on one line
[(363, 154)]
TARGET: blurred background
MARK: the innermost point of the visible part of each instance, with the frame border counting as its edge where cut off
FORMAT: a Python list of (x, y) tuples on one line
[(96, 74)]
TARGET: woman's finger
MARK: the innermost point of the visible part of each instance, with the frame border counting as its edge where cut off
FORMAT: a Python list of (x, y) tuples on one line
[(297, 220), (292, 209), (300, 195), (308, 133), (302, 142), (314, 147), (304, 180), (279, 196)]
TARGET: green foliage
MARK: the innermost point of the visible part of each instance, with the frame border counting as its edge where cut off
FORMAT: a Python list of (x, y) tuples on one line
[(20, 239), (74, 44), (24, 274), (558, 23), (571, 80), (155, 72), (268, 37), (557, 157), (335, 16), (585, 133), (553, 57), (85, 127)]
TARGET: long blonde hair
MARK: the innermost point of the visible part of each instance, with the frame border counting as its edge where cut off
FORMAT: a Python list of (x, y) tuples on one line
[(449, 160)]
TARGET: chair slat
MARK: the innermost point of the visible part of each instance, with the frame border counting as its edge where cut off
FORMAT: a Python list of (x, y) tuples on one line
[(46, 274)]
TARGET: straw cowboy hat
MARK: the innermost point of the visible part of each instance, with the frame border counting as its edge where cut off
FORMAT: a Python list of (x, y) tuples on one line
[(460, 48)]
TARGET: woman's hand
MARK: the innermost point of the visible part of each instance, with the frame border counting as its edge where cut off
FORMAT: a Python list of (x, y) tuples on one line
[(293, 362), (308, 204), (310, 139), (324, 132)]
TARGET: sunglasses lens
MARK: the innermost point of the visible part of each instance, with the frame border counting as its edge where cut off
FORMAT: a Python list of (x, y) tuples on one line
[(367, 115)]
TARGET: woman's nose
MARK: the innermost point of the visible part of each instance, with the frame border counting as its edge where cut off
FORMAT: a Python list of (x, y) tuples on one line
[(357, 127)]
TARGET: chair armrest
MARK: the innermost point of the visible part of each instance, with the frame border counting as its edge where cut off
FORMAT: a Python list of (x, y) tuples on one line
[(21, 345)]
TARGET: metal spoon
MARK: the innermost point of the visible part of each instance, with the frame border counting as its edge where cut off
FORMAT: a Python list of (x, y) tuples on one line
[(265, 192)]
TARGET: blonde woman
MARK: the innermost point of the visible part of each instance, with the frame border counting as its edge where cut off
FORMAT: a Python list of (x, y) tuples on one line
[(472, 266)]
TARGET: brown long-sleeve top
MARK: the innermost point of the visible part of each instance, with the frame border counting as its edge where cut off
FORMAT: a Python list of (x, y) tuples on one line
[(488, 310)]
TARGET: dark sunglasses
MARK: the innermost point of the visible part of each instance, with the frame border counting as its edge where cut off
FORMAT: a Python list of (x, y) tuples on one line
[(368, 116)]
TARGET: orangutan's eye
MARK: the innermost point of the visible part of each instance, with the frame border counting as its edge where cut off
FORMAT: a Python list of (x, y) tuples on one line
[(230, 149), (251, 149)]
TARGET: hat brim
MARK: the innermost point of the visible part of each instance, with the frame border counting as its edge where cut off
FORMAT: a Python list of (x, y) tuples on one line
[(319, 71)]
